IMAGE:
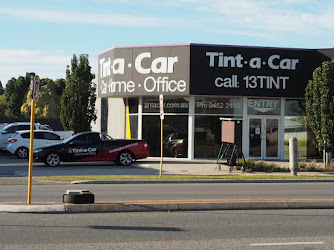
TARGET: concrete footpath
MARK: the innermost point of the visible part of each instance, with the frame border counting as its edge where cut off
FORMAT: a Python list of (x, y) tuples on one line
[(182, 167), (167, 206)]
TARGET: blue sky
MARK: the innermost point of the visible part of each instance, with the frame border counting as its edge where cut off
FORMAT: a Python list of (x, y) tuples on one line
[(41, 36)]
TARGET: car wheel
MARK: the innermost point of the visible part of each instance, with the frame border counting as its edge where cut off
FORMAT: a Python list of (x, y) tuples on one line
[(52, 159), (125, 158), (22, 152)]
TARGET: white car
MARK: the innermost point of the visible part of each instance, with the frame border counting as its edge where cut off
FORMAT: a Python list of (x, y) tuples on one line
[(10, 129), (19, 143)]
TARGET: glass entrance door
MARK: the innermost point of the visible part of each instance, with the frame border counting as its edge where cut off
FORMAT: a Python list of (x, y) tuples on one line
[(264, 137)]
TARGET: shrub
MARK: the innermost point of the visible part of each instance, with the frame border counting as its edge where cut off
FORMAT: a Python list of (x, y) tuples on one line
[(303, 166), (261, 166)]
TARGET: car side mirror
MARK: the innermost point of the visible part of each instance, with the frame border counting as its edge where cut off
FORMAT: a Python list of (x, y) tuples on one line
[(4, 132)]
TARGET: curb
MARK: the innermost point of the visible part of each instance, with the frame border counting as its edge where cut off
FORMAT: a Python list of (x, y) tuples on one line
[(167, 206), (203, 181), (50, 209)]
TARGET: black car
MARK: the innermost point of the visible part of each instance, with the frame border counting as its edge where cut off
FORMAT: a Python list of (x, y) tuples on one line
[(92, 146)]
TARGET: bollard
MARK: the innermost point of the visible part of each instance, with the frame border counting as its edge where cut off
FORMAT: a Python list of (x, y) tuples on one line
[(293, 155)]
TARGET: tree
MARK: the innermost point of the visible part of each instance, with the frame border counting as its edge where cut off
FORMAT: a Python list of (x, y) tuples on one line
[(320, 106), (15, 92), (78, 98), (48, 105), (3, 105), (1, 89)]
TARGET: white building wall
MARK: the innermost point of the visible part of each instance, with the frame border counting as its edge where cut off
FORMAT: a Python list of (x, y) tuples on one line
[(116, 118)]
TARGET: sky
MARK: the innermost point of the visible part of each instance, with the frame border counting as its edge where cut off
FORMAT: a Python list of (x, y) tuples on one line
[(42, 36)]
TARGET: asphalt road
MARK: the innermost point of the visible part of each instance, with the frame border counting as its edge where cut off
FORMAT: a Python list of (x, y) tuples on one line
[(261, 229), (14, 188), (175, 191)]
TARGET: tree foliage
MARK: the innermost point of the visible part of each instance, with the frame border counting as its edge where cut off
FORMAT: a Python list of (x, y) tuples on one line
[(78, 99), (320, 105), (48, 105), (1, 89), (3, 105), (15, 93)]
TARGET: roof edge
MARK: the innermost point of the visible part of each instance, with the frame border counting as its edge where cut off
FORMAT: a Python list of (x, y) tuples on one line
[(146, 46), (213, 45)]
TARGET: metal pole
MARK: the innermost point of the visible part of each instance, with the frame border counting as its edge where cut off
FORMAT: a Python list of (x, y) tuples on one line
[(32, 126), (293, 155), (161, 145)]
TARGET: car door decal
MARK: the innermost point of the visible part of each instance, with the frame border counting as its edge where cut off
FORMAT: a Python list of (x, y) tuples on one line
[(124, 147), (82, 151)]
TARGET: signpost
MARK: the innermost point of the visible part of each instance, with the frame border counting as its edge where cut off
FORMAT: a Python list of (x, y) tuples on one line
[(34, 98), (161, 102)]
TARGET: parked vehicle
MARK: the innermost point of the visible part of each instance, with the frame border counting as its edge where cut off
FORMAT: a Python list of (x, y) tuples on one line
[(92, 146), (19, 143), (176, 144), (12, 128)]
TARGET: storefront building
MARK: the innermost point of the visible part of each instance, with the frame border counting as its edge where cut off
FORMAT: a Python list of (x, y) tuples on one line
[(262, 89)]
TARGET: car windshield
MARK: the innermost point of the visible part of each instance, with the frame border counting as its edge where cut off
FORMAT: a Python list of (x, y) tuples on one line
[(69, 139), (106, 137)]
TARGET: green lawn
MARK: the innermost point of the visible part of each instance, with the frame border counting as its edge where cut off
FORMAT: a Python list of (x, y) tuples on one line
[(300, 143), (178, 177)]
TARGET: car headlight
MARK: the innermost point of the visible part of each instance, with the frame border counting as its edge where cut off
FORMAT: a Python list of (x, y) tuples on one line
[(37, 151)]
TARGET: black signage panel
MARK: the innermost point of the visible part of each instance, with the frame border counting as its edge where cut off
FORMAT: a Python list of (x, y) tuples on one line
[(144, 71), (251, 71)]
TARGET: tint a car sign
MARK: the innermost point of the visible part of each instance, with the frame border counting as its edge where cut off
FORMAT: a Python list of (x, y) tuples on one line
[(144, 71), (251, 71), (195, 69)]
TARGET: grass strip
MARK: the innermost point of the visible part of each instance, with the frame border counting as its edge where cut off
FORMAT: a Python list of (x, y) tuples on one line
[(178, 177)]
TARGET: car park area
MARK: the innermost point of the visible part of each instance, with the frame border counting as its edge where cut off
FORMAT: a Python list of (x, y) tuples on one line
[(11, 166)]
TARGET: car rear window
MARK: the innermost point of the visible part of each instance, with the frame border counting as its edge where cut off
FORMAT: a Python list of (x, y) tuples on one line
[(50, 136), (12, 129), (38, 135)]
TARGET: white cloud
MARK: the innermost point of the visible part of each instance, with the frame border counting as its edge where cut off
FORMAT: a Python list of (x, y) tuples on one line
[(234, 21), (30, 56), (290, 16), (267, 16), (80, 17), (15, 63), (298, 1)]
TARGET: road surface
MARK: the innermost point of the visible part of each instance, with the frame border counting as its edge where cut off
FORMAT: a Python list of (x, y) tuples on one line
[(262, 229)]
